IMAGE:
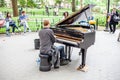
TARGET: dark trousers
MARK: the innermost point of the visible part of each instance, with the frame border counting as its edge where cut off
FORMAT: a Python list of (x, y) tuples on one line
[(112, 27), (62, 53), (13, 26)]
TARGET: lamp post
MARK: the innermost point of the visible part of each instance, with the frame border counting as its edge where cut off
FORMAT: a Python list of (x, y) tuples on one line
[(108, 6)]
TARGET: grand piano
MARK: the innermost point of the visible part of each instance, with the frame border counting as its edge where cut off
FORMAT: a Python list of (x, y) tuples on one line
[(73, 34)]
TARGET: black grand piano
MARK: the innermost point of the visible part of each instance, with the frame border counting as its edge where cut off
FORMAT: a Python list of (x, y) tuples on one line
[(73, 34)]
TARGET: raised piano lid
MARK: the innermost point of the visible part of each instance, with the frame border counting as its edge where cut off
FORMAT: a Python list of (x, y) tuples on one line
[(81, 15)]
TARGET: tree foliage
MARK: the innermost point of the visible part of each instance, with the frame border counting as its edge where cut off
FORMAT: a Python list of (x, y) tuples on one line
[(58, 1), (2, 3), (31, 3), (28, 3), (22, 3)]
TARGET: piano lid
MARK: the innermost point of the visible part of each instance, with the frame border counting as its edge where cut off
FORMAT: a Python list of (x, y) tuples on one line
[(80, 15)]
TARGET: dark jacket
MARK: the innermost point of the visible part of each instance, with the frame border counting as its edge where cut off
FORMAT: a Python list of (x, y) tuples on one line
[(112, 21), (47, 40)]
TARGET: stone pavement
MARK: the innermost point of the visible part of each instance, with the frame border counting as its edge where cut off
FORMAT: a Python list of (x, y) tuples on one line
[(18, 60)]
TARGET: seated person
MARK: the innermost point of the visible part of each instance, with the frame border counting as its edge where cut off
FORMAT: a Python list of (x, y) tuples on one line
[(65, 15), (47, 41), (10, 22), (2, 20), (23, 21)]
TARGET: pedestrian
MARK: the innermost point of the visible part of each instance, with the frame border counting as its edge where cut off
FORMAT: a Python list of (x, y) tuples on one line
[(56, 11), (47, 9), (112, 20)]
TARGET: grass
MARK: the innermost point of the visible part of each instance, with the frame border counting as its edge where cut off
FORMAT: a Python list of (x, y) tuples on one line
[(36, 22), (36, 17)]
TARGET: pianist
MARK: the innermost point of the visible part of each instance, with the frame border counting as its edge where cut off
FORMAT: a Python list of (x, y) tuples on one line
[(47, 41)]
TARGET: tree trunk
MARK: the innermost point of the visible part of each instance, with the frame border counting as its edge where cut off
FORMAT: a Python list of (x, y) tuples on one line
[(73, 5), (15, 8), (80, 3)]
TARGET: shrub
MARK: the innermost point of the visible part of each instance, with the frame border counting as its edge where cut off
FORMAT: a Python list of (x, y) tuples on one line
[(101, 19)]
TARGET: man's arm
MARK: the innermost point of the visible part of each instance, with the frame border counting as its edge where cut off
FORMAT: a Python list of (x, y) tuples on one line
[(52, 36)]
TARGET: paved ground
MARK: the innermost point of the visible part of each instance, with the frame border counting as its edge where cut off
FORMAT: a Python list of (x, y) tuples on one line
[(18, 60)]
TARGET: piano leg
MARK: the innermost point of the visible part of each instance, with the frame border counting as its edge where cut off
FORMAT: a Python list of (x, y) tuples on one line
[(84, 51), (68, 52)]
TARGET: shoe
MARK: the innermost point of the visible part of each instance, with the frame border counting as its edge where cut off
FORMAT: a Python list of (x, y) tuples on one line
[(7, 34), (63, 62), (29, 30), (56, 67)]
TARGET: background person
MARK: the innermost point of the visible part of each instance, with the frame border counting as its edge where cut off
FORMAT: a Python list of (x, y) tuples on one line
[(23, 21), (2, 20), (10, 22), (112, 21), (65, 15)]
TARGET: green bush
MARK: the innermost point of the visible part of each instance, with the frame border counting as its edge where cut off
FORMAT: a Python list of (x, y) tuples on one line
[(101, 19)]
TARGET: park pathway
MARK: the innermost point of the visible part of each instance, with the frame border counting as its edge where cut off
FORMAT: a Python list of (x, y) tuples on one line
[(18, 60)]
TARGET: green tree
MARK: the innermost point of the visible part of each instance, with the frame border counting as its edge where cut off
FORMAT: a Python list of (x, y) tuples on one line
[(22, 3), (117, 1), (2, 3), (42, 3), (58, 1), (31, 3)]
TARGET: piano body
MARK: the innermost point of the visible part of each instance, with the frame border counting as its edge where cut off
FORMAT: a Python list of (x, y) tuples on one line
[(72, 34)]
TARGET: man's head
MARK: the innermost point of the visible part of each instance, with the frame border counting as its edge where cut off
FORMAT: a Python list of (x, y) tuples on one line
[(46, 23), (114, 10), (23, 12)]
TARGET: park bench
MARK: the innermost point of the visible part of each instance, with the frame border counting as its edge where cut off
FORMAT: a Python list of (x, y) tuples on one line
[(2, 23)]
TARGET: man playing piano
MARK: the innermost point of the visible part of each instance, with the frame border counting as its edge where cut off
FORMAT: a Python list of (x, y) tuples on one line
[(47, 40)]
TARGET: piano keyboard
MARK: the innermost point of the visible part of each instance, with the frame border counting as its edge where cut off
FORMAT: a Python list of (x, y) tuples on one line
[(70, 43), (68, 40)]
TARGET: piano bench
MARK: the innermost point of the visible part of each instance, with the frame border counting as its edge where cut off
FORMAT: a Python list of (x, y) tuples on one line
[(45, 64)]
